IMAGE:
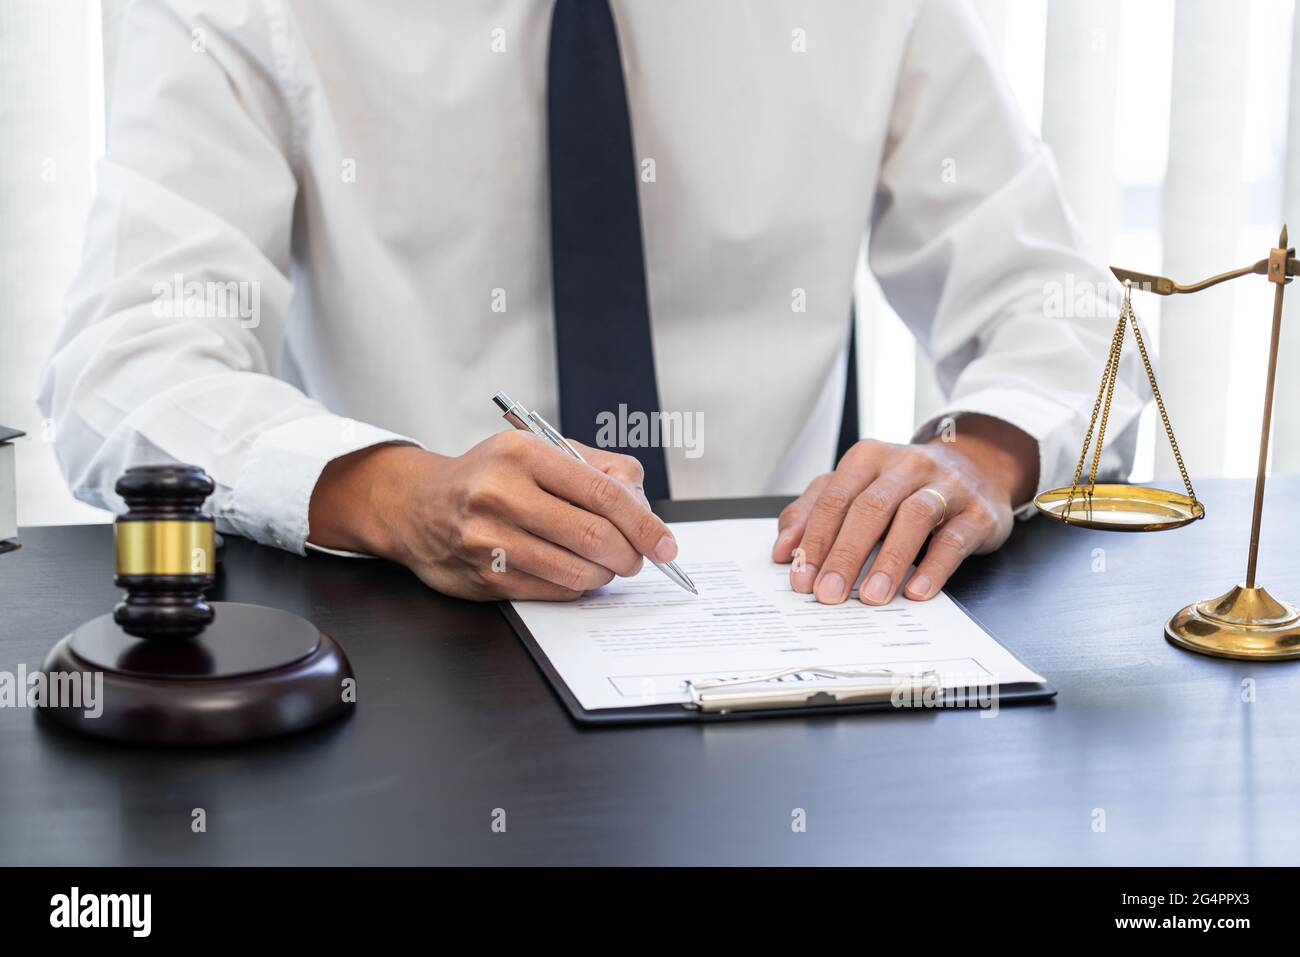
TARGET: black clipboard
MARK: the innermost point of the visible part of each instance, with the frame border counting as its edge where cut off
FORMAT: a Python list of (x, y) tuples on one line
[(1013, 694)]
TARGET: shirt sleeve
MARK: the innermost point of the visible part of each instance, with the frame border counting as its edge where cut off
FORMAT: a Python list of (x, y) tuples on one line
[(975, 249), (175, 323)]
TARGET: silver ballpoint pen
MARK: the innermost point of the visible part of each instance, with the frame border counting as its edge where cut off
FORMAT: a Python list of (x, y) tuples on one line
[(526, 421)]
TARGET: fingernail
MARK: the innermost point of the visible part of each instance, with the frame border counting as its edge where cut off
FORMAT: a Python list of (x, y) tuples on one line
[(876, 590), (666, 550), (920, 587), (802, 580), (830, 590)]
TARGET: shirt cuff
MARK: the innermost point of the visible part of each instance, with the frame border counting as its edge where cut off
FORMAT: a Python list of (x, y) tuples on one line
[(1044, 420), (270, 501)]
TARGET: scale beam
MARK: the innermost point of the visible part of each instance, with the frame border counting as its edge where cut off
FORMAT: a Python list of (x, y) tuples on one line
[(1164, 286)]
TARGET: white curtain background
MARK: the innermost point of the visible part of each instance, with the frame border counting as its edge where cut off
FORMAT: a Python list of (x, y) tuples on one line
[(1176, 127)]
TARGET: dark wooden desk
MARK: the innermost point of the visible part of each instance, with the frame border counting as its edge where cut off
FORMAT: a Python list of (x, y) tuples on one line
[(454, 721)]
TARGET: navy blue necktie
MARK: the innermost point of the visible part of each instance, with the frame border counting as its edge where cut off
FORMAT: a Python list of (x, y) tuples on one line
[(602, 315)]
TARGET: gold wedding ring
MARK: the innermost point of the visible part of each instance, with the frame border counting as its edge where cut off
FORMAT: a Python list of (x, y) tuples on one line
[(942, 501)]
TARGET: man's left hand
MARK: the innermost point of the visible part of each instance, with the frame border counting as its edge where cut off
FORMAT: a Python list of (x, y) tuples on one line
[(959, 493)]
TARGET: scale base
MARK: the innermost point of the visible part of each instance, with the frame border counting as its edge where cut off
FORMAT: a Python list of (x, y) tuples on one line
[(1245, 623)]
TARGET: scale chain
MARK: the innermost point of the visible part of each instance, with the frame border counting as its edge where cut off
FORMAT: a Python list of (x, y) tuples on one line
[(1105, 393), (1160, 403), (1112, 361)]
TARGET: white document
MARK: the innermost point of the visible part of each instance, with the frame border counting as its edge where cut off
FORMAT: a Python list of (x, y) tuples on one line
[(637, 641)]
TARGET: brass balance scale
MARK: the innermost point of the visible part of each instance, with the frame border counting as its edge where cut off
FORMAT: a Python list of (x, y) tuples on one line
[(1246, 621)]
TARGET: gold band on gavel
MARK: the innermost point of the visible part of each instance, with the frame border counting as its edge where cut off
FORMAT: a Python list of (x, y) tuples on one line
[(165, 547)]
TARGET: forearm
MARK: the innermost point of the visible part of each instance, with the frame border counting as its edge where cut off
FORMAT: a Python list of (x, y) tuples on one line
[(1005, 457), (352, 504)]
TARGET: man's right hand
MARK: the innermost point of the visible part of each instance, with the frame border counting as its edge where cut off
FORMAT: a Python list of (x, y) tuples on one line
[(514, 517)]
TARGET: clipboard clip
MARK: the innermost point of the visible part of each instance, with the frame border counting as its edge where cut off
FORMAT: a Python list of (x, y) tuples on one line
[(740, 694)]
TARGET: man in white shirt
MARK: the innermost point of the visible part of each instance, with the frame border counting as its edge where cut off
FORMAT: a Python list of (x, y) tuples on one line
[(326, 233)]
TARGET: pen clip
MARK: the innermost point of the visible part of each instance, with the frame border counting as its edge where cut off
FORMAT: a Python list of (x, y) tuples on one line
[(513, 412)]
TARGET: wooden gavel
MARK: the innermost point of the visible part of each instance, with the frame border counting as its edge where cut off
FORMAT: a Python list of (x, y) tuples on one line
[(166, 552)]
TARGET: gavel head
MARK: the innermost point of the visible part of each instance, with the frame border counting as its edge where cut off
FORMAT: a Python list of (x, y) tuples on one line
[(165, 551)]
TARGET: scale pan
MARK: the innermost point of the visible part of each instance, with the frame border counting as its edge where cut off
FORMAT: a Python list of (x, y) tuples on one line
[(1119, 508)]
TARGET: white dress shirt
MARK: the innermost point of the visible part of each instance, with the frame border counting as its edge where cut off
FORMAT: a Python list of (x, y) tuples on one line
[(366, 186)]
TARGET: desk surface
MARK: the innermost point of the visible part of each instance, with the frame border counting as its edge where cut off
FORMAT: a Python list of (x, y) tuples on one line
[(454, 721)]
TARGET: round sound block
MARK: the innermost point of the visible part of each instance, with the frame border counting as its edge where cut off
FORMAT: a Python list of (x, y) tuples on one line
[(254, 672)]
